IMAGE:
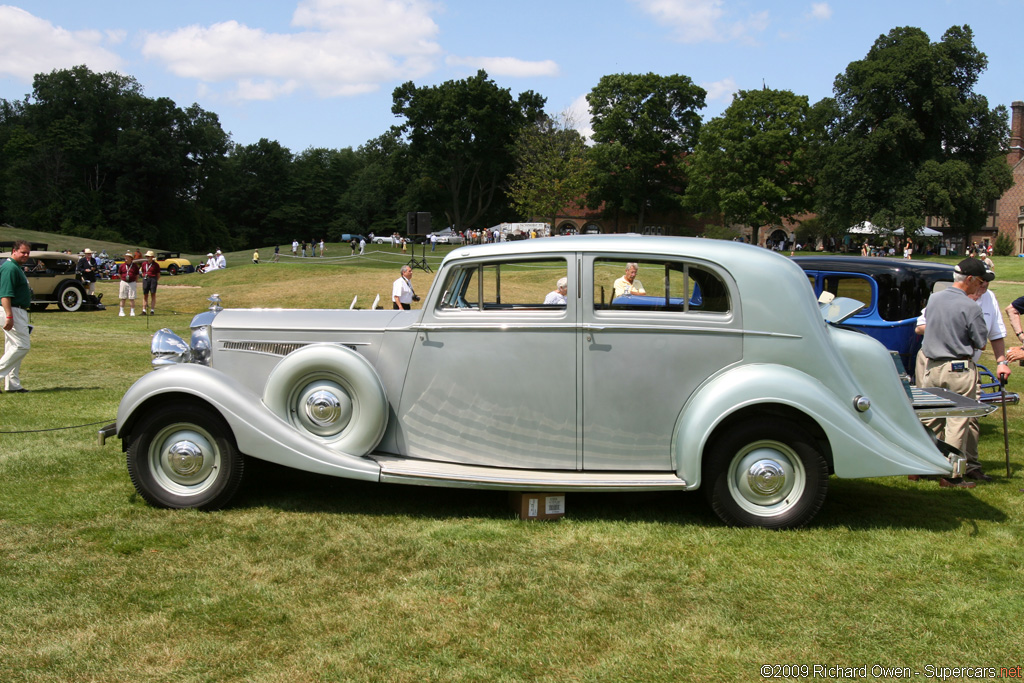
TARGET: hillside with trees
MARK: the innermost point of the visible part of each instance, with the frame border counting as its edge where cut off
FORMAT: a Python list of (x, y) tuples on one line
[(904, 137)]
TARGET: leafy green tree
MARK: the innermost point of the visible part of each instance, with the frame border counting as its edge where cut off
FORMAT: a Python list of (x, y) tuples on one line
[(750, 165), (461, 135), (643, 125), (371, 203), (907, 136), (88, 152), (253, 199), (553, 169)]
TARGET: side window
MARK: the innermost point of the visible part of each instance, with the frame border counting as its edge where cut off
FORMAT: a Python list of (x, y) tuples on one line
[(850, 287), (659, 286), (517, 285)]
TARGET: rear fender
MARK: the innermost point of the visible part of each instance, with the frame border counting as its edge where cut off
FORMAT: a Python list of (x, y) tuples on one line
[(862, 444)]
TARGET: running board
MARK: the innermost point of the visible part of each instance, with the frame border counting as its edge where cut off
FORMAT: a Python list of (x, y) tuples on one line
[(397, 470)]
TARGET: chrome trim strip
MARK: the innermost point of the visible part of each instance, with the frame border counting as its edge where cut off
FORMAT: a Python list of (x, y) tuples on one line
[(276, 348), (407, 471), (590, 327)]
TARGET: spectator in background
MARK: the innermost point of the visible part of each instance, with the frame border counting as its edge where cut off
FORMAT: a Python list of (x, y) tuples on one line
[(128, 273)]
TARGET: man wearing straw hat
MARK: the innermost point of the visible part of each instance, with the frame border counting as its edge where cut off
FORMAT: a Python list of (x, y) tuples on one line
[(128, 273), (150, 271)]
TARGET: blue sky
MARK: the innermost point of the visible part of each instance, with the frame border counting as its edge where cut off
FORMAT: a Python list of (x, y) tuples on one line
[(320, 73)]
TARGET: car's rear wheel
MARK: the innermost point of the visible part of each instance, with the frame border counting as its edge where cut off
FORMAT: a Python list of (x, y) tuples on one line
[(70, 296), (184, 456), (766, 473), (172, 269)]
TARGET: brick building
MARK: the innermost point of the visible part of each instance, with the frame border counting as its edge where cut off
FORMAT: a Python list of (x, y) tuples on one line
[(1008, 213)]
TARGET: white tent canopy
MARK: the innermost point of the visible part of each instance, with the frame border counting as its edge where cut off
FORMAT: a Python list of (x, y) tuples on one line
[(869, 228), (921, 232)]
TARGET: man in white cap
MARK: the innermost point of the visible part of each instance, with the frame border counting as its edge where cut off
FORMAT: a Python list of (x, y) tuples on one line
[(150, 271), (221, 261), (211, 263), (128, 273)]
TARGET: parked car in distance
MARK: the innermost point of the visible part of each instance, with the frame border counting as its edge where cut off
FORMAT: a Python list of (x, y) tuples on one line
[(51, 275), (706, 384), (446, 236), (173, 263)]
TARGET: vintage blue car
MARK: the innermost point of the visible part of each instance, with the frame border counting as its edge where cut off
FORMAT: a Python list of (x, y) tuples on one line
[(726, 378), (894, 291)]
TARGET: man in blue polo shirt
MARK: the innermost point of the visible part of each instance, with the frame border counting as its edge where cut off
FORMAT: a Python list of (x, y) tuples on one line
[(16, 297)]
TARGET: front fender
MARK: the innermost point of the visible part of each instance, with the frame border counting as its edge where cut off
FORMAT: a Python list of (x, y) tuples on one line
[(258, 431), (868, 444)]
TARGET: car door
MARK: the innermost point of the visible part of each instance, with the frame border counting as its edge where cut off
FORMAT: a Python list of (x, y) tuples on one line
[(493, 376), (644, 355)]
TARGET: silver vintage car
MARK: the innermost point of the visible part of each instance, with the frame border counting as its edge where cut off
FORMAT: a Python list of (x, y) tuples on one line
[(718, 372)]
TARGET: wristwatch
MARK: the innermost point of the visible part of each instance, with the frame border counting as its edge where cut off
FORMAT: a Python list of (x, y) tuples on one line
[(1002, 362)]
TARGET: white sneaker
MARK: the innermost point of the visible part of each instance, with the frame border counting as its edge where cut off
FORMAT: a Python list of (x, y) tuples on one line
[(121, 314), (133, 313)]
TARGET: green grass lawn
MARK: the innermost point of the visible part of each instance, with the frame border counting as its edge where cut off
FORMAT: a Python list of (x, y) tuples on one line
[(311, 578)]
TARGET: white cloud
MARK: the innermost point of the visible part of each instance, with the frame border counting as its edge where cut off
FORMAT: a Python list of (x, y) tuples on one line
[(578, 114), (821, 10), (344, 47), (30, 45), (697, 21), (507, 66), (721, 91)]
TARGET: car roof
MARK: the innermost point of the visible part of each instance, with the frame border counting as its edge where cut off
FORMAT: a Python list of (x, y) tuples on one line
[(872, 265)]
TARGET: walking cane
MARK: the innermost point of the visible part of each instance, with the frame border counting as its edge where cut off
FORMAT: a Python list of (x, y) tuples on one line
[(1006, 437)]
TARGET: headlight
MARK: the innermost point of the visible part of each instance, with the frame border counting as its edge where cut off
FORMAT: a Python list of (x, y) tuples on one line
[(169, 349), (201, 345)]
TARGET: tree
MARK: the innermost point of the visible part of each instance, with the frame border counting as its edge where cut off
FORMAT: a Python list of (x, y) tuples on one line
[(750, 165), (553, 169), (461, 135), (643, 125), (88, 153), (908, 137)]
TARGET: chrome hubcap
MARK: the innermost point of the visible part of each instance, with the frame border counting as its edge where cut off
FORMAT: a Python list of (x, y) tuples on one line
[(184, 459), (323, 407), (766, 478)]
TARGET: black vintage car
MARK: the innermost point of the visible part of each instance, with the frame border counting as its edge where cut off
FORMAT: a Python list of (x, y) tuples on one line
[(895, 291)]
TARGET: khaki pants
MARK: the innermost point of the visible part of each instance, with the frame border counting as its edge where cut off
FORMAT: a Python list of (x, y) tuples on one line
[(961, 432), (16, 345)]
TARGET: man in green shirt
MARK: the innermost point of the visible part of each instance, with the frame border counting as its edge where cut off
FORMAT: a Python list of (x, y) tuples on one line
[(15, 296)]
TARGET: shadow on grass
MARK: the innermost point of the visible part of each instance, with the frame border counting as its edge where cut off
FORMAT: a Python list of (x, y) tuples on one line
[(851, 504)]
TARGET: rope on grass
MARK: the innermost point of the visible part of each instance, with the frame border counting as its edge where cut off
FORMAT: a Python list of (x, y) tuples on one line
[(57, 429)]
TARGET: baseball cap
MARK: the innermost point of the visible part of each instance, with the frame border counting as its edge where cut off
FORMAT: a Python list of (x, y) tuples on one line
[(976, 268)]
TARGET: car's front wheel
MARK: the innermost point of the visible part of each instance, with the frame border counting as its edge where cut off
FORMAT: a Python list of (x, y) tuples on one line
[(766, 473), (183, 456), (70, 297)]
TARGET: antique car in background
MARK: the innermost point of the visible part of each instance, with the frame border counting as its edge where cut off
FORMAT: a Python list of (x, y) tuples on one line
[(173, 263), (726, 377), (894, 292), (51, 275), (446, 236)]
